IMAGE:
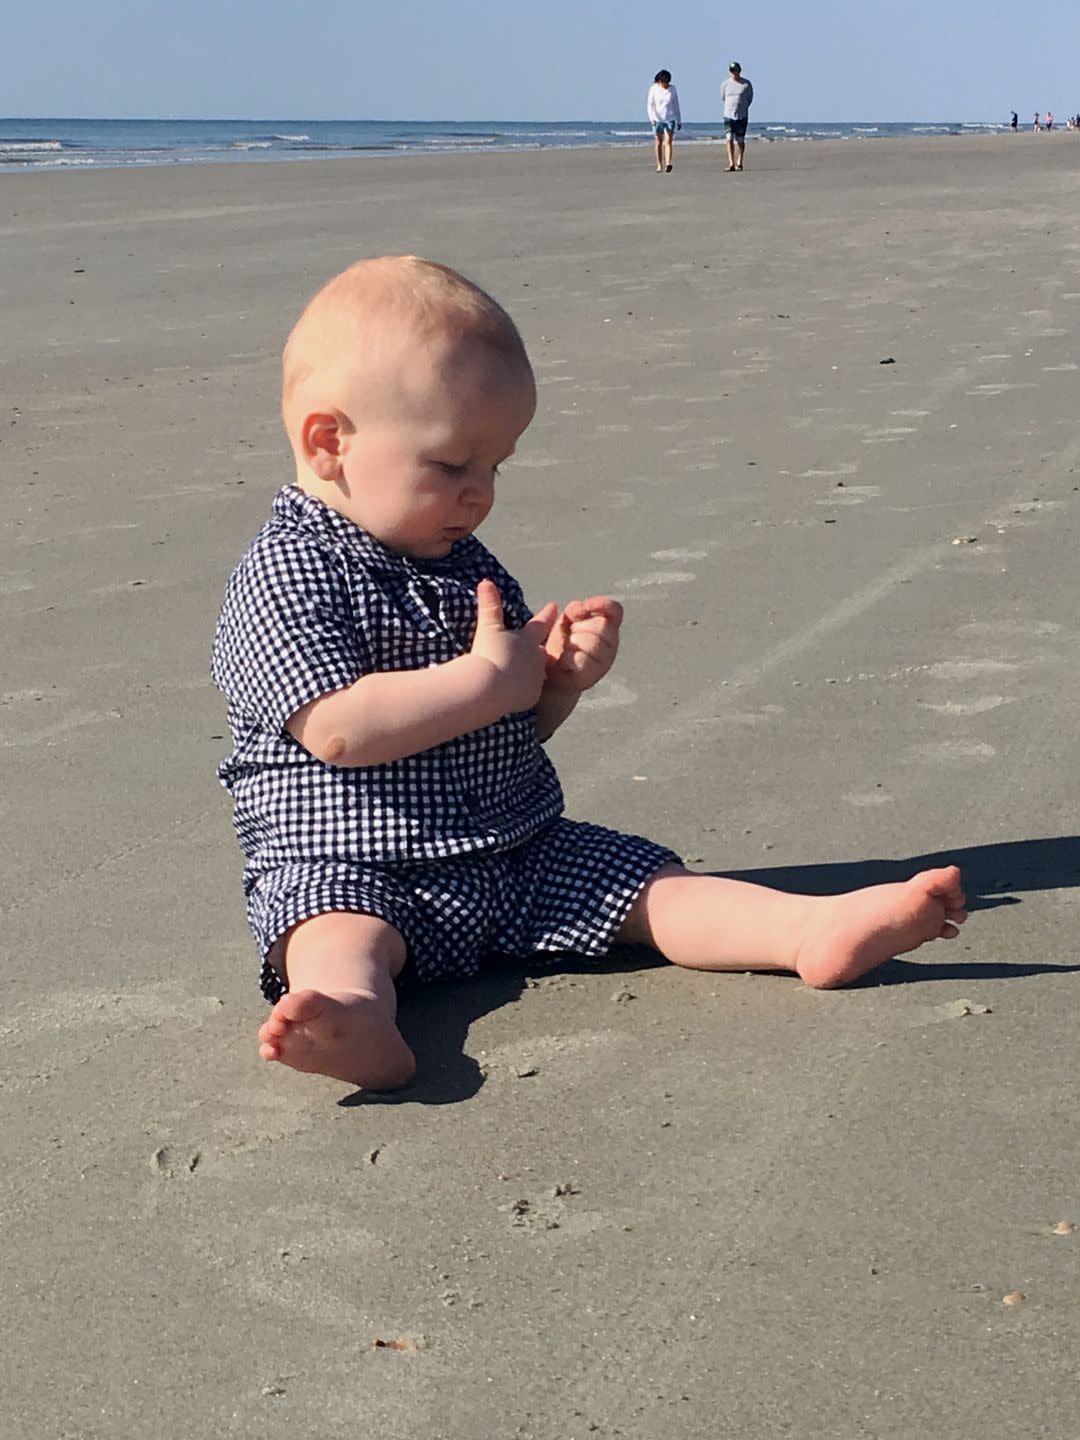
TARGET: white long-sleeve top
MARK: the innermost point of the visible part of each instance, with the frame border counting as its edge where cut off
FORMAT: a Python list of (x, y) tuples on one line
[(663, 104)]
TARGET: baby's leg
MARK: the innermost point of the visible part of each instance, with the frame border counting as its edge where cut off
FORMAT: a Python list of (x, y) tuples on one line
[(338, 1018), (706, 922)]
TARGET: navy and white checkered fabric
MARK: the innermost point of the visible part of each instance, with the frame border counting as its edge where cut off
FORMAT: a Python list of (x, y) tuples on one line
[(566, 889), (315, 604)]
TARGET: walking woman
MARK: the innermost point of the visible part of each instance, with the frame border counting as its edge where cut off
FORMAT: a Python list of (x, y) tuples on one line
[(664, 117)]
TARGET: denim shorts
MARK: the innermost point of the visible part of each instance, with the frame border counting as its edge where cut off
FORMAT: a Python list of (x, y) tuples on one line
[(736, 129), (664, 125)]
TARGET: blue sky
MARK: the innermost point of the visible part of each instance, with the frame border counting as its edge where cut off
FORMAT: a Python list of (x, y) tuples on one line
[(476, 59)]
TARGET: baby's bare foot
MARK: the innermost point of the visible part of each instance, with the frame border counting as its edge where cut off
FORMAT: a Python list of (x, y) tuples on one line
[(847, 935), (349, 1037)]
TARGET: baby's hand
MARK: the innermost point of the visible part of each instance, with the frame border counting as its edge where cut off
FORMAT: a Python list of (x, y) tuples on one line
[(581, 648), (518, 656)]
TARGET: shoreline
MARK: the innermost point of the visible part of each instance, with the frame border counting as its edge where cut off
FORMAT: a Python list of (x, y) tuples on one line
[(820, 153), (47, 153)]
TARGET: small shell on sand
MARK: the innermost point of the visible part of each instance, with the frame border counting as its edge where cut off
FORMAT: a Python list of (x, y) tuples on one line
[(1014, 1297), (1064, 1227)]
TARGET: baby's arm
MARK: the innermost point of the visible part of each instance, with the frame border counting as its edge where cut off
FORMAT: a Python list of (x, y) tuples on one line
[(387, 715), (553, 707)]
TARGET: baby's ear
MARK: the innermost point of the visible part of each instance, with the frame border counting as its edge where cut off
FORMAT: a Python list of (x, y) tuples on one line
[(320, 439)]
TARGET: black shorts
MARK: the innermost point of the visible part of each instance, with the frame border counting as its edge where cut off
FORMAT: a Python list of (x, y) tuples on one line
[(736, 129)]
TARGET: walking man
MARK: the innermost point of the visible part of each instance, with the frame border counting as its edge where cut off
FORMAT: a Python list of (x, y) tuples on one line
[(738, 95)]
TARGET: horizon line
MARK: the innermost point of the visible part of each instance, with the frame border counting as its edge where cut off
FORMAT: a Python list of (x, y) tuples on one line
[(518, 120)]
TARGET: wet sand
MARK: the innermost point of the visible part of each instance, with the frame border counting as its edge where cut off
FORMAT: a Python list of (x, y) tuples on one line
[(816, 426)]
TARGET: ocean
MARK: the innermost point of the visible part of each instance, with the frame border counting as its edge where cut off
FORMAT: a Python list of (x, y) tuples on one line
[(79, 144)]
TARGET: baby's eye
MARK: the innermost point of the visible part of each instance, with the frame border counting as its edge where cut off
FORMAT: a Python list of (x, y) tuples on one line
[(450, 469)]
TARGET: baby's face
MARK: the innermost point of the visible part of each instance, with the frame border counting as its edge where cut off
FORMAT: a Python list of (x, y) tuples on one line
[(418, 469)]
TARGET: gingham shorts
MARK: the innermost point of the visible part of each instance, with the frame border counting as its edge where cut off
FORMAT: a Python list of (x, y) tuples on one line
[(567, 889)]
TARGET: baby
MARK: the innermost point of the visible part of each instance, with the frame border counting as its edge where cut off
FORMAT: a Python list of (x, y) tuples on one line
[(390, 692)]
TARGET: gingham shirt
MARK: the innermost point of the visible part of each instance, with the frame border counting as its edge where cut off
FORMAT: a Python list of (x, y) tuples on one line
[(315, 604)]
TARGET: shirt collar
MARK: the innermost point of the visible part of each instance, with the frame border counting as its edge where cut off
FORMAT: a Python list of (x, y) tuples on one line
[(297, 509)]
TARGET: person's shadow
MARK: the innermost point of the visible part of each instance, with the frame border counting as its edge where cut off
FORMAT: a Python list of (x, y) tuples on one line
[(435, 1020)]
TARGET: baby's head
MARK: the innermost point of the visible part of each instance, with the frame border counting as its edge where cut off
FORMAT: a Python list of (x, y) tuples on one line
[(404, 388)]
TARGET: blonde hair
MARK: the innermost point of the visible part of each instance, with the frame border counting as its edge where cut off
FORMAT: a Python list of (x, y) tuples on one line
[(372, 304)]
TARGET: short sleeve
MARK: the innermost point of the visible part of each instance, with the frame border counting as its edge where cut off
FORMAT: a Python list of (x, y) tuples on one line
[(287, 632)]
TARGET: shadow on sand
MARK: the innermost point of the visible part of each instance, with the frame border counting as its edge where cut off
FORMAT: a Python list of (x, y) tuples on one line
[(435, 1020)]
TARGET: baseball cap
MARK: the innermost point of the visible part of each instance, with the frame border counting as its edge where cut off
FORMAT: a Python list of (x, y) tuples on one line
[(734, 65)]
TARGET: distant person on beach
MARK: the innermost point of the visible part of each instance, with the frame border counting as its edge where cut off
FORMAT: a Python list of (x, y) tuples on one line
[(1036, 126), (1015, 121), (662, 104), (737, 95), (390, 693), (1049, 120)]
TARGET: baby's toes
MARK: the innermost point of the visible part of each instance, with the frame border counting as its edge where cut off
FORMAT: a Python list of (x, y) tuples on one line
[(296, 1007), (292, 1009), (274, 1027)]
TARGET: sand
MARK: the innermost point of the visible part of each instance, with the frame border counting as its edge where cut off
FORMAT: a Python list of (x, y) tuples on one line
[(816, 425)]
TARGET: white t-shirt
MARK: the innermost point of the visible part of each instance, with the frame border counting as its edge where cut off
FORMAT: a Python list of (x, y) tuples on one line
[(663, 104)]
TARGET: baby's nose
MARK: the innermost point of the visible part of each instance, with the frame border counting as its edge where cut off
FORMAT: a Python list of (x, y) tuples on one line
[(480, 488)]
